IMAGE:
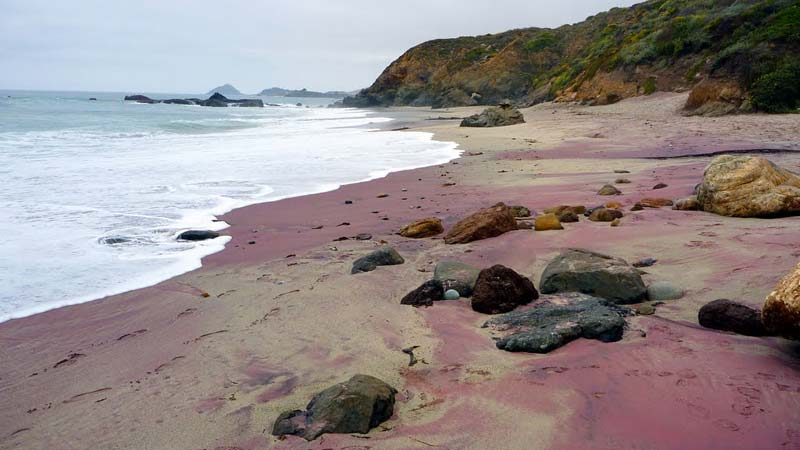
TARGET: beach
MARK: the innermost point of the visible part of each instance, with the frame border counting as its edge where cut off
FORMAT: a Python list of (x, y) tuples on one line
[(208, 359)]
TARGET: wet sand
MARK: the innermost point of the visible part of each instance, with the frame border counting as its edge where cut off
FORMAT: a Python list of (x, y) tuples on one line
[(167, 367)]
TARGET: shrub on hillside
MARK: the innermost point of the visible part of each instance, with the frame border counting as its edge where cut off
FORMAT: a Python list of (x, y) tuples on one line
[(779, 90)]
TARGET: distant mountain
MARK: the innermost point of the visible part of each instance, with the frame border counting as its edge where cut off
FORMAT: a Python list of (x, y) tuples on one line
[(226, 90), (733, 55), (281, 92)]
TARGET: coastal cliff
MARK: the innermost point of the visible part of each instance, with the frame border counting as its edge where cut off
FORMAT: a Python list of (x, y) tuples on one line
[(735, 55)]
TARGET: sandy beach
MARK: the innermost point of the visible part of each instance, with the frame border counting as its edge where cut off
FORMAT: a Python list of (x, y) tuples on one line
[(208, 360)]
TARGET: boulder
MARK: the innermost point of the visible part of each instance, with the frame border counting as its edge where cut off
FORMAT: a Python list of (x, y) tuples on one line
[(568, 217), (689, 203), (495, 116), (605, 215), (726, 315), (547, 222), (781, 313), (595, 274), (425, 295), (609, 190), (384, 256), (664, 290), (198, 235), (520, 211), (457, 276), (500, 289), (486, 223), (655, 202), (557, 320), (422, 228), (355, 406), (748, 186)]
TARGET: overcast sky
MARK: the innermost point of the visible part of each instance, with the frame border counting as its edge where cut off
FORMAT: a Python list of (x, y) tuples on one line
[(189, 46)]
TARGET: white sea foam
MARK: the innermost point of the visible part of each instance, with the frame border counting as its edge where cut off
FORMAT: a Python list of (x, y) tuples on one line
[(143, 174)]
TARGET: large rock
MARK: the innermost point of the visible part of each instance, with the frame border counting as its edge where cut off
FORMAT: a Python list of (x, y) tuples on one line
[(557, 320), (486, 223), (495, 116), (595, 274), (425, 295), (748, 186), (422, 228), (355, 406), (198, 235), (781, 313), (384, 256), (500, 289), (547, 222), (140, 99), (605, 215), (457, 276), (726, 315)]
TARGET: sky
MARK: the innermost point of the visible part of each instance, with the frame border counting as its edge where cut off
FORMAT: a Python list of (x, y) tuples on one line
[(191, 46)]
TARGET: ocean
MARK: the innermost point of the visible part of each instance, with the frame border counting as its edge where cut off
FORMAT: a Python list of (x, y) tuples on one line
[(93, 193)]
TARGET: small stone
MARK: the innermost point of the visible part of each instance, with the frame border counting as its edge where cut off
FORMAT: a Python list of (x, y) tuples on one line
[(382, 195), (613, 205), (198, 235), (425, 295), (687, 204), (520, 211), (422, 228), (348, 202), (609, 190), (451, 294), (616, 222), (363, 236), (645, 262), (637, 207), (645, 309), (568, 217), (655, 202), (622, 181), (622, 171), (605, 215), (660, 186)]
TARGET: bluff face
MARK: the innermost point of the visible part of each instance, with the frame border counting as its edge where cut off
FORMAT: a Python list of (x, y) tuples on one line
[(733, 54)]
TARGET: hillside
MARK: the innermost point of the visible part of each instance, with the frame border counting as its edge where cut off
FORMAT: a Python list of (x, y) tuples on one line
[(302, 93), (226, 90), (734, 54)]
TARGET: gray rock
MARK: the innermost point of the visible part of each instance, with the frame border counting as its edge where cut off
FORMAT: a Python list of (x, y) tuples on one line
[(355, 406), (595, 274), (557, 320), (384, 256), (198, 235), (664, 290), (457, 276)]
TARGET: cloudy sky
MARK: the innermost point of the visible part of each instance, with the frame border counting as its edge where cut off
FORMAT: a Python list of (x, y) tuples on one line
[(191, 46)]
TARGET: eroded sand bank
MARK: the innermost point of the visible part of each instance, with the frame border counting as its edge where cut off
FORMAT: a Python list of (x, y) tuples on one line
[(167, 368)]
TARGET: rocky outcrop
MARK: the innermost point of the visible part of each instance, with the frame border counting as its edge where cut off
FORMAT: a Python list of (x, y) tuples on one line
[(140, 99), (500, 289), (486, 223), (425, 295), (730, 316), (355, 406), (198, 235), (781, 313), (216, 100), (555, 321), (715, 97), (455, 275), (384, 256), (594, 274), (495, 116), (748, 186), (422, 228)]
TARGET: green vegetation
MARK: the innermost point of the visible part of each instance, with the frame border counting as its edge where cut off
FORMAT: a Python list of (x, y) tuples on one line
[(678, 42), (778, 91)]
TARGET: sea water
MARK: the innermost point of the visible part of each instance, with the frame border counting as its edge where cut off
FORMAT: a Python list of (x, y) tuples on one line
[(93, 193)]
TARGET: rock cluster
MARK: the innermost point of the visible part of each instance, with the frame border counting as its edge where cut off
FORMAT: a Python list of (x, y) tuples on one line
[(216, 100)]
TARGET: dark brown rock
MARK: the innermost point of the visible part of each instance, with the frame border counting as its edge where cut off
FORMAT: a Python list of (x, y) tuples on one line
[(500, 289), (486, 223), (726, 315)]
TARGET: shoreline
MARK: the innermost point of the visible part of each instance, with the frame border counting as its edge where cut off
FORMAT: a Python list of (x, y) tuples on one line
[(165, 366), (189, 262)]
